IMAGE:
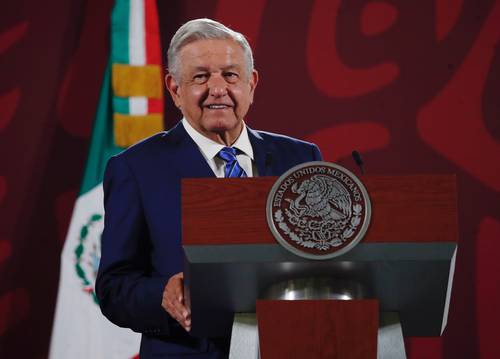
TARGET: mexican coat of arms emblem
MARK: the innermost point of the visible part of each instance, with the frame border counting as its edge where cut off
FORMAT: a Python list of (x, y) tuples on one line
[(318, 210)]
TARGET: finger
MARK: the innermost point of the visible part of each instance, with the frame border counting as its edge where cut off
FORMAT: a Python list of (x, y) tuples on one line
[(174, 308), (181, 313), (177, 300), (180, 308), (177, 310), (171, 294), (178, 291), (175, 287), (185, 322)]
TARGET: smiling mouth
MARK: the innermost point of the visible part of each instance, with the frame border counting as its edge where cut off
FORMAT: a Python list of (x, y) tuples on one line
[(217, 107)]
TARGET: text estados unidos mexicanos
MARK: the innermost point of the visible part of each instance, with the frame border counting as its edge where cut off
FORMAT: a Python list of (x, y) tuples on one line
[(346, 180)]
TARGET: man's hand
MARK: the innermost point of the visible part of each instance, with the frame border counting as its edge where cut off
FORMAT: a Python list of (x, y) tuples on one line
[(173, 301)]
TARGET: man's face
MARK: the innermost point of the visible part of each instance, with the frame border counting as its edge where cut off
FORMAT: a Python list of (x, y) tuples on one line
[(214, 90)]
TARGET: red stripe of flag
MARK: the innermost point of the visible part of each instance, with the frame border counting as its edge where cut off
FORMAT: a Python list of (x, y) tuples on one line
[(155, 105), (152, 31)]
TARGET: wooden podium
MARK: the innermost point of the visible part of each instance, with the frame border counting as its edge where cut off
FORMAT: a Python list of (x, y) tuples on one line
[(404, 264)]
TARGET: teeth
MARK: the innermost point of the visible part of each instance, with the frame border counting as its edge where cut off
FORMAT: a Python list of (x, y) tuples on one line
[(217, 106)]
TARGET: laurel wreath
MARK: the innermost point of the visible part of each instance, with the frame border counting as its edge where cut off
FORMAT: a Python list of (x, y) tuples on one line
[(84, 231), (355, 221), (320, 245)]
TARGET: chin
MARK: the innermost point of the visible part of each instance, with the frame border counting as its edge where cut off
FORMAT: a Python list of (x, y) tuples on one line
[(223, 124)]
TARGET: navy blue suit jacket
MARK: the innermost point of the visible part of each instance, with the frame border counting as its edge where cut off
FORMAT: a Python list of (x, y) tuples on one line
[(141, 242)]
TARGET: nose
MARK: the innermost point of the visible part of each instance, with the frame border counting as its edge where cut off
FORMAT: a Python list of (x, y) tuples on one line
[(217, 86)]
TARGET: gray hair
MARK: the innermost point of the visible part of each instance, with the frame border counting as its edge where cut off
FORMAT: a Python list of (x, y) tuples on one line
[(204, 29)]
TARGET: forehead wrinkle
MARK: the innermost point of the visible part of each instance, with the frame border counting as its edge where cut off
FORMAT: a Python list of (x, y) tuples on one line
[(203, 55), (209, 48), (231, 67), (201, 68)]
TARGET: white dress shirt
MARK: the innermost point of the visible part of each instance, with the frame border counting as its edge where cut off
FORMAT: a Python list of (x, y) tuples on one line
[(209, 149)]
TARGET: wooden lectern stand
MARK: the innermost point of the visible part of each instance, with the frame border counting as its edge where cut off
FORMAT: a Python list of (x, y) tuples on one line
[(404, 264)]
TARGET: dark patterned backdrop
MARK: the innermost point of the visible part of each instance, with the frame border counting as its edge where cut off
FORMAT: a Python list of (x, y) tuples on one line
[(412, 85)]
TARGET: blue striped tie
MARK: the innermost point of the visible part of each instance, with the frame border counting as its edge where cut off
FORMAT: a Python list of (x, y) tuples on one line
[(233, 168)]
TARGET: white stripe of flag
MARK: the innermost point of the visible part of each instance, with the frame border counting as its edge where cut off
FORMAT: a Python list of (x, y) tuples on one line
[(137, 33)]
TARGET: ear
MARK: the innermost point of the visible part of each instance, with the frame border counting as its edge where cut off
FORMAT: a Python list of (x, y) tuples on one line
[(173, 88), (254, 79)]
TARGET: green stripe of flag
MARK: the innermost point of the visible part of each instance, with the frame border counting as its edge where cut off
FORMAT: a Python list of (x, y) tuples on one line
[(102, 145), (120, 32), (121, 105)]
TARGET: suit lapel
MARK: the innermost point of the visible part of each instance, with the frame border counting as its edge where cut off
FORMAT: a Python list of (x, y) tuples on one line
[(185, 155), (262, 152)]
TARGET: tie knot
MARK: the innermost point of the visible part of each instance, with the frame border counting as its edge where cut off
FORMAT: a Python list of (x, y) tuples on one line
[(228, 154), (232, 168)]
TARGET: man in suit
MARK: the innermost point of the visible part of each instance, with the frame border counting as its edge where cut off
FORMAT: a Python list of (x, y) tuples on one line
[(212, 81)]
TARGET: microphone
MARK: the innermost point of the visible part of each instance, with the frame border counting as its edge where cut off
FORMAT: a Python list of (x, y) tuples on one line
[(359, 161)]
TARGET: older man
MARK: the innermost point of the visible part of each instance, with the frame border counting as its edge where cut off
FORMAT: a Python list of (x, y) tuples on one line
[(212, 81)]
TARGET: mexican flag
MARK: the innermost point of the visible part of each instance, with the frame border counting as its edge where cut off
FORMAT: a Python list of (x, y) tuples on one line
[(80, 330), (130, 108)]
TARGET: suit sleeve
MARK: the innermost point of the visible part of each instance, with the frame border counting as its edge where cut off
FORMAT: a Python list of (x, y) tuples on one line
[(128, 294)]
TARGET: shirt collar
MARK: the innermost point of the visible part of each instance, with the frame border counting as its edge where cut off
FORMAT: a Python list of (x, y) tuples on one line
[(210, 148)]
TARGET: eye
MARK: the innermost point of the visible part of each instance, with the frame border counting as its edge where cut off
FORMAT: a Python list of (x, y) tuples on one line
[(200, 78), (231, 77)]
